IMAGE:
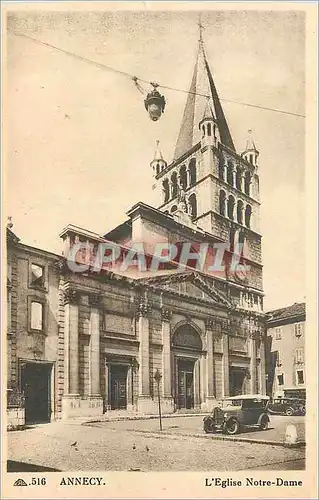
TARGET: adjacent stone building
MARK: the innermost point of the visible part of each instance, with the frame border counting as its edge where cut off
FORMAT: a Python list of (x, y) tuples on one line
[(286, 373), (85, 340)]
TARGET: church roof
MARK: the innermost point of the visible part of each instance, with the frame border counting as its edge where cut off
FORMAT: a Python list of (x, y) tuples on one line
[(202, 83), (285, 314)]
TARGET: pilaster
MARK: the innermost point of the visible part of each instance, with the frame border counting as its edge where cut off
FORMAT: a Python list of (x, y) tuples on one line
[(209, 372), (145, 404), (168, 402), (225, 359)]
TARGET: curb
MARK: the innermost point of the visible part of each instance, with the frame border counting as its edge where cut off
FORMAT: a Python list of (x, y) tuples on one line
[(143, 417)]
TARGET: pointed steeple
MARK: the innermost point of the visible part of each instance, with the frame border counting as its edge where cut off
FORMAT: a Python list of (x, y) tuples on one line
[(251, 153), (202, 83), (158, 163), (250, 145), (158, 153)]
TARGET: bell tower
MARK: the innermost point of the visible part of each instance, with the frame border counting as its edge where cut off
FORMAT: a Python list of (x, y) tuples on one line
[(220, 186)]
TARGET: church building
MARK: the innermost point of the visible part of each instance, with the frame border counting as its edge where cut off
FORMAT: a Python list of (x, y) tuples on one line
[(102, 336)]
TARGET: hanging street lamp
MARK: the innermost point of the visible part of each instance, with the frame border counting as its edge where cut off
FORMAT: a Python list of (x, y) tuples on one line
[(154, 103)]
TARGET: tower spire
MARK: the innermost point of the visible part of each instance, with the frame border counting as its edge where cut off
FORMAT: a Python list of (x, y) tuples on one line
[(251, 153), (202, 85)]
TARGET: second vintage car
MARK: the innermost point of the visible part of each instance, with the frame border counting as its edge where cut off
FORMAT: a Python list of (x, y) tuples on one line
[(287, 406), (237, 412)]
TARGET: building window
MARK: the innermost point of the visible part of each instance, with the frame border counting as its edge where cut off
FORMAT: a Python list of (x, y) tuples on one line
[(298, 329), (280, 379), (278, 359), (192, 171), (37, 276), (299, 355), (248, 216), (183, 177), (238, 178), (231, 205), (240, 210), (247, 183), (221, 169), (174, 185), (36, 316), (166, 190), (209, 129), (300, 377), (278, 333), (193, 206), (230, 176), (222, 203)]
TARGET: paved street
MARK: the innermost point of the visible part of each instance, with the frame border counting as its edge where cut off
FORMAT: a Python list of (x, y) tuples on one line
[(137, 445), (193, 425)]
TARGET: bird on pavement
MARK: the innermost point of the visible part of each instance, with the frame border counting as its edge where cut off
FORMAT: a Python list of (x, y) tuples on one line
[(74, 444), (147, 448), (134, 447)]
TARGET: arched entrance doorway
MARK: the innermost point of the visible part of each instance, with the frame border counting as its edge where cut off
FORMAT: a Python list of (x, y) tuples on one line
[(186, 349)]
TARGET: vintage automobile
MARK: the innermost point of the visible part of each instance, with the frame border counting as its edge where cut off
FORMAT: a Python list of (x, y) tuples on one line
[(287, 406), (237, 412)]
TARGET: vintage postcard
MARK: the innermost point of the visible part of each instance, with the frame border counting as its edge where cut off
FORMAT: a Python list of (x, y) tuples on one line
[(159, 262)]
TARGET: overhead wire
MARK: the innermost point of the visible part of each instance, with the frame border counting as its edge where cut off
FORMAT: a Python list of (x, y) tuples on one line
[(136, 79)]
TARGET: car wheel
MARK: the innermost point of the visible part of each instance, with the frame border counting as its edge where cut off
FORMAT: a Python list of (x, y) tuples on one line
[(232, 427), (289, 412), (209, 426), (264, 424)]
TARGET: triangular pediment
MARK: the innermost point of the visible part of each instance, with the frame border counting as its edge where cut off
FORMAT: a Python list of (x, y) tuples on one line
[(190, 284)]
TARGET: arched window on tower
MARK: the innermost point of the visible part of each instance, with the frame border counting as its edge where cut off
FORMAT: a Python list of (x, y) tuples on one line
[(192, 171), (230, 176), (248, 216), (222, 203), (203, 130), (183, 177), (166, 190), (240, 211), (221, 169), (209, 129), (232, 233), (157, 168), (231, 205), (174, 184), (247, 183), (193, 206), (238, 178)]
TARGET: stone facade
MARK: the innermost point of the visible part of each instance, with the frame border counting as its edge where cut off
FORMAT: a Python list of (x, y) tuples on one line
[(85, 340), (285, 353)]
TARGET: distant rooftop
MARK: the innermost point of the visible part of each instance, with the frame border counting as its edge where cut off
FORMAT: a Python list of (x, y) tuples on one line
[(287, 313)]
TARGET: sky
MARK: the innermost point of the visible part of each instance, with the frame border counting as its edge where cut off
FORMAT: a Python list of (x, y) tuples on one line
[(79, 141)]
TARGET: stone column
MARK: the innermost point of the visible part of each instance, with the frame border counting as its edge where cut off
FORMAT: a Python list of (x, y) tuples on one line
[(209, 364), (144, 400), (262, 367), (95, 345), (107, 401), (168, 403), (95, 399), (197, 387), (253, 361), (225, 360), (71, 398)]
